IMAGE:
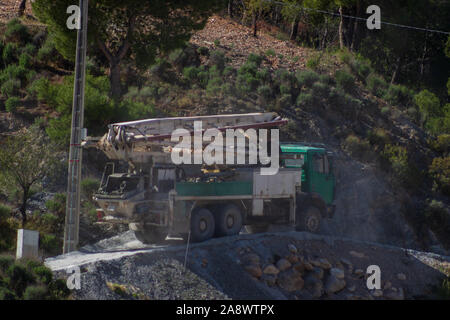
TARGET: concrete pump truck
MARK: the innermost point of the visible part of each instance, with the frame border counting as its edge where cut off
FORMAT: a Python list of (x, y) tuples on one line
[(158, 198)]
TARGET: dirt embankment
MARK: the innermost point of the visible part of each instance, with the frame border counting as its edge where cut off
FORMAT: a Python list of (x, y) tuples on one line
[(291, 265)]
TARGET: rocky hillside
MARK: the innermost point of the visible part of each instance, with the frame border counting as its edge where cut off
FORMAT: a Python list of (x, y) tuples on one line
[(290, 265)]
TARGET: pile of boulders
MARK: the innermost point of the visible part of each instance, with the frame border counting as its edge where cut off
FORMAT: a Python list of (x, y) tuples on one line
[(302, 277)]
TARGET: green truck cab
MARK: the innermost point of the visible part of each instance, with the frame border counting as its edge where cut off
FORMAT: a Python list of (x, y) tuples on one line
[(318, 180)]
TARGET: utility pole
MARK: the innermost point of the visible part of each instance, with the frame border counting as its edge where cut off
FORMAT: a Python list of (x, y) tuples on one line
[(72, 223)]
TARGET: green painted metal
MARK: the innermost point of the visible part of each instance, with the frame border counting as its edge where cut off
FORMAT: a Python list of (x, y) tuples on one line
[(314, 180), (226, 188)]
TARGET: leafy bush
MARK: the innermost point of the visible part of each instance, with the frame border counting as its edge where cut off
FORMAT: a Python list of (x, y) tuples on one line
[(29, 49), (263, 75), (255, 58), (428, 103), (89, 186), (284, 101), (440, 172), (50, 243), (442, 144), (320, 90), (438, 219), (356, 146), (48, 51), (379, 137), (11, 104), (203, 51), (361, 69), (7, 233), (265, 92), (214, 86), (270, 53), (217, 58), (9, 53), (29, 280), (314, 62), (376, 84), (305, 100), (345, 81), (134, 110), (10, 87), (306, 78), (25, 61), (399, 95), (397, 157), (16, 32)]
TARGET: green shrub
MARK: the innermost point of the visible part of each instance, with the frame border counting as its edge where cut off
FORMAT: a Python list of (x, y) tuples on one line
[(20, 278), (9, 53), (265, 92), (35, 293), (48, 51), (306, 78), (314, 62), (5, 262), (6, 294), (191, 73), (247, 82), (25, 61), (203, 51), (29, 49), (345, 81), (217, 58), (357, 147), (320, 90), (284, 89), (255, 58), (379, 137), (438, 219), (361, 69), (89, 186), (270, 53), (214, 86), (440, 172), (305, 100), (10, 87), (263, 75), (376, 84), (16, 32), (399, 95), (284, 101), (50, 243), (397, 157), (428, 103), (43, 274), (217, 42), (442, 144), (229, 71), (11, 104), (138, 110), (248, 68)]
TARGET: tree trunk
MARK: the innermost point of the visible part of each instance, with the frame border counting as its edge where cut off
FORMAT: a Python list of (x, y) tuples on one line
[(23, 206), (230, 8), (341, 29), (294, 29), (354, 45), (325, 35), (255, 24), (114, 78), (397, 68), (22, 6)]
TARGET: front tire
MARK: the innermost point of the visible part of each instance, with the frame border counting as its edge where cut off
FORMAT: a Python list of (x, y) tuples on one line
[(202, 225), (309, 220)]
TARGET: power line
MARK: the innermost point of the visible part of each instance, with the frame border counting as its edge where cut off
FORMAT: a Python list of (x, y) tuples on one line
[(358, 18)]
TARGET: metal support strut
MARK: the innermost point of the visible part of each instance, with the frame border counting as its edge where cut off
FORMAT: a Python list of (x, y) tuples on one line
[(71, 230)]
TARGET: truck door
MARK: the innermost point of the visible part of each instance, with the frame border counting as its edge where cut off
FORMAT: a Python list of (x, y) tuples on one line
[(322, 178)]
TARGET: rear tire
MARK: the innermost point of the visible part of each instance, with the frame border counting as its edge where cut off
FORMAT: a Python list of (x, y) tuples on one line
[(151, 235), (228, 221), (202, 225), (309, 220)]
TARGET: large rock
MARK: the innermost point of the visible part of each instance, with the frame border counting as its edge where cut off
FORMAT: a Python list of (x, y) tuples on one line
[(334, 285), (283, 264), (322, 263), (251, 258), (317, 273), (271, 269), (338, 273), (290, 280), (314, 286), (254, 270), (292, 248)]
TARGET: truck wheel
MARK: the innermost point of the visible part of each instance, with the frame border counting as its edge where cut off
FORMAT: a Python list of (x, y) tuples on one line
[(202, 225), (228, 221), (151, 235), (257, 228), (309, 220)]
